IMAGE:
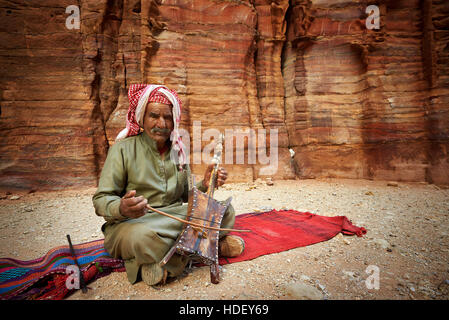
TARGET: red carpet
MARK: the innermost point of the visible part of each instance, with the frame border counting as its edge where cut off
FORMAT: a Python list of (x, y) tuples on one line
[(277, 231)]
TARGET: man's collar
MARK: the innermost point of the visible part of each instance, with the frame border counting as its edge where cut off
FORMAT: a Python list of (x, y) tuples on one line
[(150, 142)]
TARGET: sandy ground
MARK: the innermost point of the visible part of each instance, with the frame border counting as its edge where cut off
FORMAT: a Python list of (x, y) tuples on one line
[(407, 243)]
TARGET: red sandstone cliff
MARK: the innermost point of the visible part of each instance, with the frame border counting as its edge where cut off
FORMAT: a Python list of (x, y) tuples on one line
[(351, 102)]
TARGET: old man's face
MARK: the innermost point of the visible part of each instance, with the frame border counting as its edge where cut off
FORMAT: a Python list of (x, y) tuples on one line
[(158, 122)]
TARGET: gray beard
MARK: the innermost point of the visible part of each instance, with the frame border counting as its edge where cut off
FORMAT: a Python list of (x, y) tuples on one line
[(162, 130)]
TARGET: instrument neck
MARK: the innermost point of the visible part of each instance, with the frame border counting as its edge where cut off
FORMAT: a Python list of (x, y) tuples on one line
[(213, 181)]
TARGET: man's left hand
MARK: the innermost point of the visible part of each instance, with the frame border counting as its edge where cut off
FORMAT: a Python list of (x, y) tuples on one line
[(222, 175)]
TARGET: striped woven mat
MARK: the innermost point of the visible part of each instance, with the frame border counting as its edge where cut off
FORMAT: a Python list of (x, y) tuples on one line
[(45, 278)]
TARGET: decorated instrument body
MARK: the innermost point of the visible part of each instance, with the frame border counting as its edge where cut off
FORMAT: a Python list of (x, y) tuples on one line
[(200, 234)]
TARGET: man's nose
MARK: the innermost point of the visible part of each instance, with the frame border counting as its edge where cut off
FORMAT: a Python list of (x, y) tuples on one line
[(161, 122)]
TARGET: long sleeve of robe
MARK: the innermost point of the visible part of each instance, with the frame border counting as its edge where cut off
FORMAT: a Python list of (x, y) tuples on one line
[(135, 164)]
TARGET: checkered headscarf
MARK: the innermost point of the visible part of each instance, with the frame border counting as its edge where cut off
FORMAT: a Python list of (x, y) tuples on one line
[(139, 95)]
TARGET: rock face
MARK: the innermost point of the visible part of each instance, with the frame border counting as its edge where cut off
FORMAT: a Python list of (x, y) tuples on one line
[(360, 104), (350, 101)]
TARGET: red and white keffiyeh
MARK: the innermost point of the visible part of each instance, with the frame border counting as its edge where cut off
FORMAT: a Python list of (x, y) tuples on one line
[(139, 95)]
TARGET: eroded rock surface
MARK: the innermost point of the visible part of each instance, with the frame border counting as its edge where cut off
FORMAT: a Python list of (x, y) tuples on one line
[(351, 102)]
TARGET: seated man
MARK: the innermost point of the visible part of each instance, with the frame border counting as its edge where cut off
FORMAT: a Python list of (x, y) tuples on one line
[(140, 169)]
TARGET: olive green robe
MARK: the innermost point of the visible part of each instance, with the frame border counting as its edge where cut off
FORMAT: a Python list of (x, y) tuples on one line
[(135, 163)]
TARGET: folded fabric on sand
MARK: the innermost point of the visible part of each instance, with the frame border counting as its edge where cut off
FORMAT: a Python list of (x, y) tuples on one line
[(273, 231)]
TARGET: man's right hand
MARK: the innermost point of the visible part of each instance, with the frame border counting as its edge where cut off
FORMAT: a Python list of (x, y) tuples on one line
[(133, 207)]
